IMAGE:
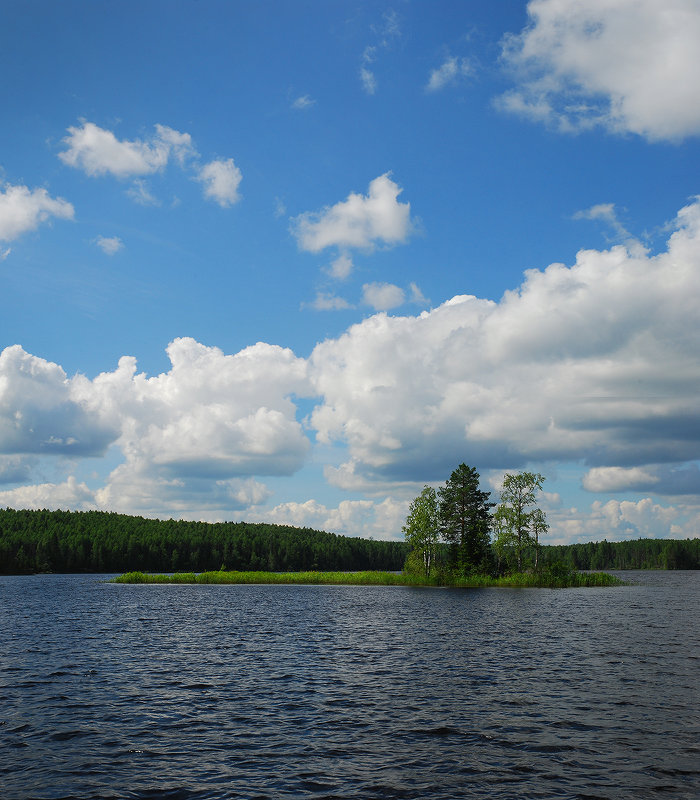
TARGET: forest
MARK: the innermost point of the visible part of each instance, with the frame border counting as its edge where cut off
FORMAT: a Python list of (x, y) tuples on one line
[(98, 541)]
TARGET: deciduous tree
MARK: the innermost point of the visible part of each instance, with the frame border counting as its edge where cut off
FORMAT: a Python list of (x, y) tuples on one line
[(422, 528), (517, 495)]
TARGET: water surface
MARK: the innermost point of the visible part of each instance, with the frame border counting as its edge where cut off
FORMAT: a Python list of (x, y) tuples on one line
[(119, 691)]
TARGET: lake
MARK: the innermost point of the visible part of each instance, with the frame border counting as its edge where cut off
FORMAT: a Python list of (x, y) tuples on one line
[(213, 692)]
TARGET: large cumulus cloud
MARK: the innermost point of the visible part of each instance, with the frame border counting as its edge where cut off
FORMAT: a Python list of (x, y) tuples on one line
[(597, 361), (192, 438), (627, 65)]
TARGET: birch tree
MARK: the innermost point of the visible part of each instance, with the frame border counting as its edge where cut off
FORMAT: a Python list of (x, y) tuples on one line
[(422, 528), (517, 496)]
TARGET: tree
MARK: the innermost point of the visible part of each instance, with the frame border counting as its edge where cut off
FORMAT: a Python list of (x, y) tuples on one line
[(422, 529), (538, 521), (503, 538), (517, 494), (465, 518)]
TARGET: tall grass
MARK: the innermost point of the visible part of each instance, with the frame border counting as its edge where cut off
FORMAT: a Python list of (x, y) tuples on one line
[(374, 578)]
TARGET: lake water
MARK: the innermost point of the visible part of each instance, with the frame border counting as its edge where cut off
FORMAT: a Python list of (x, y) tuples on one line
[(174, 692)]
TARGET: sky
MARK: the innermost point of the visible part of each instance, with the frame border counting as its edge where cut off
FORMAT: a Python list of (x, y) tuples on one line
[(292, 261)]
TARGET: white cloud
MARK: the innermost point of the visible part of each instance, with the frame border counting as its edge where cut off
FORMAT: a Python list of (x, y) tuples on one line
[(140, 193), (616, 520), (221, 180), (382, 296), (361, 221), (303, 102), (22, 210), (417, 295), (109, 244), (329, 302), (180, 145), (386, 32), (341, 267), (98, 152), (369, 80), (367, 77), (191, 438), (448, 73), (69, 495), (628, 65), (42, 411), (605, 212), (598, 361), (661, 479), (378, 519)]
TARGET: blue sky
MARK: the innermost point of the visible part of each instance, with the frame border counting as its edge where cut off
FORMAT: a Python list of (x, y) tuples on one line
[(290, 261)]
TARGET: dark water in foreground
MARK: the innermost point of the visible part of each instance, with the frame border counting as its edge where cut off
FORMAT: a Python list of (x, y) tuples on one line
[(169, 692)]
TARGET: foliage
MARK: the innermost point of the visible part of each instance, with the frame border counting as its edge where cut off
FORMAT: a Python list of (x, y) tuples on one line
[(421, 531), (513, 518), (96, 541), (464, 511)]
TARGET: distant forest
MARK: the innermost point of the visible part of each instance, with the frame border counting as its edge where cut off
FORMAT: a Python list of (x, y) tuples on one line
[(98, 541)]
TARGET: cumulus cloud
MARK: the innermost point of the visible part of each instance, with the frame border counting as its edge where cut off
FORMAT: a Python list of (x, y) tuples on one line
[(616, 520), (192, 437), (23, 209), (629, 66), (378, 519), (69, 495), (361, 221), (597, 361), (221, 180), (211, 415), (382, 296), (341, 267), (109, 244), (448, 73), (42, 411), (97, 151), (324, 301)]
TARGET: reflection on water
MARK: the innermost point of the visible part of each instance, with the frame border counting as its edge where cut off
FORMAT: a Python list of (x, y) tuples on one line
[(113, 691)]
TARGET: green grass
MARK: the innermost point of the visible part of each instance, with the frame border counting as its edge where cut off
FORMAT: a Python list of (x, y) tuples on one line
[(373, 578)]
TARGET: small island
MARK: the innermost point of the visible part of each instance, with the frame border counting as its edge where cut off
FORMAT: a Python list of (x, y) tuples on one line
[(553, 579)]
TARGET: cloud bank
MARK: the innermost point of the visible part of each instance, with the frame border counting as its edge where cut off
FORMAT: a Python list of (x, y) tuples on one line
[(595, 363)]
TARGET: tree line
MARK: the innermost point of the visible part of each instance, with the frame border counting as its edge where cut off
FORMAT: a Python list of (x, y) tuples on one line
[(631, 554), (98, 541)]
